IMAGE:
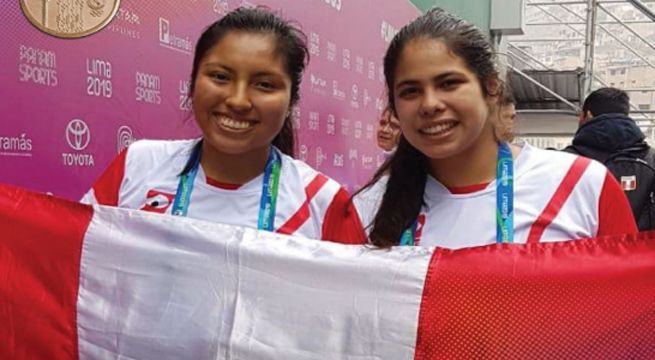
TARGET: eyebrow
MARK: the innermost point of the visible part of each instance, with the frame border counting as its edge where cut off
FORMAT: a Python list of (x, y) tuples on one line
[(229, 69), (215, 64), (436, 78)]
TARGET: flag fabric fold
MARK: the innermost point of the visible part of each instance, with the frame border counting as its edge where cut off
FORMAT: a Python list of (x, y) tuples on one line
[(80, 282)]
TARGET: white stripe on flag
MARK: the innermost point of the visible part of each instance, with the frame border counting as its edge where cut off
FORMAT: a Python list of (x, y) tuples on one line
[(160, 287)]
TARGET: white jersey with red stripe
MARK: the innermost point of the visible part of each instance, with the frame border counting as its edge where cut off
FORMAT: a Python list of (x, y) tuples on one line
[(309, 203), (544, 209)]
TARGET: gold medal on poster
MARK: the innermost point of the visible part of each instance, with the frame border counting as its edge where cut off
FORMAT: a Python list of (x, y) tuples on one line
[(70, 18)]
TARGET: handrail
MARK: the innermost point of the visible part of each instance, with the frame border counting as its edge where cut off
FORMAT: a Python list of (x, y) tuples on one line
[(509, 54), (627, 27), (547, 111), (644, 10), (644, 59), (563, 4), (589, 47), (612, 35), (529, 56)]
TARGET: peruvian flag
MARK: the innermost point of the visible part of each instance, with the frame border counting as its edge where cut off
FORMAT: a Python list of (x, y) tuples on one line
[(81, 282), (629, 183)]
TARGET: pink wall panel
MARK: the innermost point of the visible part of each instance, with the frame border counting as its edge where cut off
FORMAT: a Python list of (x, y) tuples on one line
[(69, 105)]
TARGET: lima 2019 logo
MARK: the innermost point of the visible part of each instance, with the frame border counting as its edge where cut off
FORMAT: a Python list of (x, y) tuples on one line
[(78, 137)]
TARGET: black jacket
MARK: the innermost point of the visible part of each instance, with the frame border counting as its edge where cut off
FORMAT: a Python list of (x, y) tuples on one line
[(607, 134)]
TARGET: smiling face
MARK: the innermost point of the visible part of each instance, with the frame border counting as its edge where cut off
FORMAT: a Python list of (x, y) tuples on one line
[(242, 93), (440, 102), (388, 131)]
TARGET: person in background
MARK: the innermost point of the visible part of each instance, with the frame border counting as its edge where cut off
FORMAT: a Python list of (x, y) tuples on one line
[(508, 106), (388, 131), (245, 78), (607, 134), (454, 180), (388, 137), (507, 113)]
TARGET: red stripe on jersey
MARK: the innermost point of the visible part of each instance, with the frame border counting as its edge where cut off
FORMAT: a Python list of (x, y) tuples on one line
[(222, 185), (341, 223), (39, 274), (560, 196), (108, 186), (420, 223), (298, 219), (463, 190)]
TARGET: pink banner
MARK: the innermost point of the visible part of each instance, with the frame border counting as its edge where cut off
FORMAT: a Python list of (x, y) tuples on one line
[(69, 105)]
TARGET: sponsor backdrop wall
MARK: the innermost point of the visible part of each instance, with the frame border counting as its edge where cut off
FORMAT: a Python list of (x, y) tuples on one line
[(70, 105)]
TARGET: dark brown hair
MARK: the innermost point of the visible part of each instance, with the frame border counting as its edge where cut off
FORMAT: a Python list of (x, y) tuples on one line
[(291, 44), (408, 167)]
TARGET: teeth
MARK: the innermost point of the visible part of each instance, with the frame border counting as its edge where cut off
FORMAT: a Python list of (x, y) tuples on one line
[(440, 128), (234, 124)]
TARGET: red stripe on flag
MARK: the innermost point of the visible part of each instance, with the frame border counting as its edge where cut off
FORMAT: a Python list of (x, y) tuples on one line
[(591, 299), (107, 188), (40, 255), (560, 196), (298, 219)]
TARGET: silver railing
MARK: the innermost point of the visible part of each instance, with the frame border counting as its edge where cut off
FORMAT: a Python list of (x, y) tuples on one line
[(598, 18)]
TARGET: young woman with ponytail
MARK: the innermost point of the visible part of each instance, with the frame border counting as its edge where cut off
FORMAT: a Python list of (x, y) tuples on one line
[(455, 181)]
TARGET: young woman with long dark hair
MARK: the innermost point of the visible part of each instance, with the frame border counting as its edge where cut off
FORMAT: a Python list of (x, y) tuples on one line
[(455, 181), (245, 78)]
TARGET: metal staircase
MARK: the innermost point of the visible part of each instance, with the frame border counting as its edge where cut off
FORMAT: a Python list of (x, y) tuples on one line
[(571, 48)]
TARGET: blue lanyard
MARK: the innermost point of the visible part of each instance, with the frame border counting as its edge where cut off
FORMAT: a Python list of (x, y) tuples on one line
[(270, 187), (185, 185), (409, 235), (504, 195), (504, 200), (269, 195)]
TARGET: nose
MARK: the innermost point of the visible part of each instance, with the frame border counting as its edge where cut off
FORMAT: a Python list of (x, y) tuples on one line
[(238, 99), (432, 103)]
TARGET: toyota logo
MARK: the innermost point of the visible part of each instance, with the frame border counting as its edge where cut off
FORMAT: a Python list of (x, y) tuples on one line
[(78, 134)]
